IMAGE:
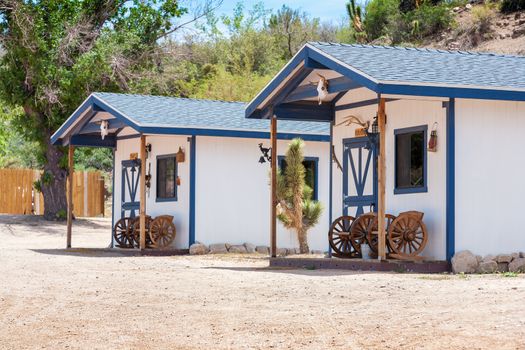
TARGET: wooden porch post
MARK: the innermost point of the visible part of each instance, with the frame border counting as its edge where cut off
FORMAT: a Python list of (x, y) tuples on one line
[(142, 192), (273, 201), (381, 180), (71, 171)]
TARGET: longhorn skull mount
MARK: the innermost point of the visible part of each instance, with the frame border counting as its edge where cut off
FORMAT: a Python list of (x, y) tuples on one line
[(322, 88)]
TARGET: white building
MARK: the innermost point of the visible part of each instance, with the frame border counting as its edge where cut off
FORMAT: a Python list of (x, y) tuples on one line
[(223, 190), (471, 188)]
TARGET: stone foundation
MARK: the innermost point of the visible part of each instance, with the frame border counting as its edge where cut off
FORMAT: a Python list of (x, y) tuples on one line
[(246, 248), (466, 262)]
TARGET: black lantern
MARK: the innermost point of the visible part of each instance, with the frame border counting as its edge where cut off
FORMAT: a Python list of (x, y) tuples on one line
[(266, 154), (375, 126)]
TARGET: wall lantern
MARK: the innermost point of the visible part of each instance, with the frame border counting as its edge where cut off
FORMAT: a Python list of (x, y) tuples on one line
[(375, 126), (433, 142), (266, 154), (148, 150), (180, 156)]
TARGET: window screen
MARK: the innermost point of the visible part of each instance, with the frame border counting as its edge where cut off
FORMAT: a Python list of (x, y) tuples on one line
[(166, 177), (410, 159)]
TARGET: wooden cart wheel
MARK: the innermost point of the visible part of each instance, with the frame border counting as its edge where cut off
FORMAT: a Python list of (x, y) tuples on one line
[(135, 232), (360, 229), (162, 231), (121, 232), (373, 232), (407, 235), (340, 239)]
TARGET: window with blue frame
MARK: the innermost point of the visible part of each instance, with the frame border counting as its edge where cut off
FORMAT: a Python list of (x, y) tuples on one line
[(166, 178), (311, 175), (411, 160)]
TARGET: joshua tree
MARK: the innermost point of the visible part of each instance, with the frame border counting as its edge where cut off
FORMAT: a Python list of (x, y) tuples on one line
[(296, 210), (356, 20)]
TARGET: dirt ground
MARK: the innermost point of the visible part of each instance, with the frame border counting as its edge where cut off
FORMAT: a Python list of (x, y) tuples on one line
[(52, 298)]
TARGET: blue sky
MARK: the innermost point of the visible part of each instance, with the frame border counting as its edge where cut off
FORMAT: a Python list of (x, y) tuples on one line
[(326, 10)]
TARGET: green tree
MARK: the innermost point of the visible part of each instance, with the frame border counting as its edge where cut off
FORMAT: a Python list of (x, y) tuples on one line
[(292, 29), (297, 209), (58, 51)]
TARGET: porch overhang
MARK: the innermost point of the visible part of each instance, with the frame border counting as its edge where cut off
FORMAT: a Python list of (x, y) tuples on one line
[(290, 89)]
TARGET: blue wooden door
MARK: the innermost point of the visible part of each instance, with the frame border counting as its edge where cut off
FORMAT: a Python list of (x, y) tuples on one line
[(130, 205), (359, 176)]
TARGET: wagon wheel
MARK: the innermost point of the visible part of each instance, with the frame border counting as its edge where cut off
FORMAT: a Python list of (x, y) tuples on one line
[(359, 230), (407, 235), (162, 232), (135, 232), (121, 232), (373, 232), (340, 239)]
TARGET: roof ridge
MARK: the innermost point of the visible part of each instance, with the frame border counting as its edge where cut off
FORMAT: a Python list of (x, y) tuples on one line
[(167, 97), (454, 52)]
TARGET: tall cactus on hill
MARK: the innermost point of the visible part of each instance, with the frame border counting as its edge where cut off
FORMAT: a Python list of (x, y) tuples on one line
[(355, 14)]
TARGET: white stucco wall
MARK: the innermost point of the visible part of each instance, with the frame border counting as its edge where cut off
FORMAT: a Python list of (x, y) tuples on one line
[(402, 114), (160, 145), (490, 168), (232, 190), (233, 193)]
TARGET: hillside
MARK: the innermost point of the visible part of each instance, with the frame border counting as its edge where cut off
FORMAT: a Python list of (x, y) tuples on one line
[(483, 28)]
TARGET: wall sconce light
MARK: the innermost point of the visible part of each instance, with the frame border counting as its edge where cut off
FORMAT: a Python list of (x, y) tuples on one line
[(433, 142), (266, 154), (180, 156), (148, 150)]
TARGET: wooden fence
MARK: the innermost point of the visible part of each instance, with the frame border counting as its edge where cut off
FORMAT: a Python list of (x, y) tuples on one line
[(18, 196)]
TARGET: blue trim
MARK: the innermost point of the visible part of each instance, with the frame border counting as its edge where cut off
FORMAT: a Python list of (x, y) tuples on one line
[(329, 63), (93, 141), (275, 82), (193, 167), (80, 110), (359, 174), (450, 180), (166, 199), (232, 133), (132, 186), (113, 203), (310, 111), (315, 196), (452, 92), (410, 130)]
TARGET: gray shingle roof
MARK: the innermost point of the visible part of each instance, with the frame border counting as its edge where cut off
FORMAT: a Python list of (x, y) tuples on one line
[(429, 66), (161, 111)]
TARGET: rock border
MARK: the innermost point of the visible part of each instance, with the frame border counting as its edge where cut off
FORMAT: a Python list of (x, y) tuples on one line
[(199, 248), (467, 262)]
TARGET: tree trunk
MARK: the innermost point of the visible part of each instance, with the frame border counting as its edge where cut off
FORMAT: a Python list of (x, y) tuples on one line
[(303, 242), (53, 183)]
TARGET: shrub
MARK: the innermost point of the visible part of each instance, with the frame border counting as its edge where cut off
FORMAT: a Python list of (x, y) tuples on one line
[(378, 16), (482, 17), (429, 19), (508, 6)]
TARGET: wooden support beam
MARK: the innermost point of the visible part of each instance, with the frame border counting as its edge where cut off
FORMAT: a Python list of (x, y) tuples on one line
[(381, 117), (71, 171), (273, 200), (142, 192)]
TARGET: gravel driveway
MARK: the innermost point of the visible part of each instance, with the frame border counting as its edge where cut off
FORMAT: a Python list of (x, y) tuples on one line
[(88, 299)]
